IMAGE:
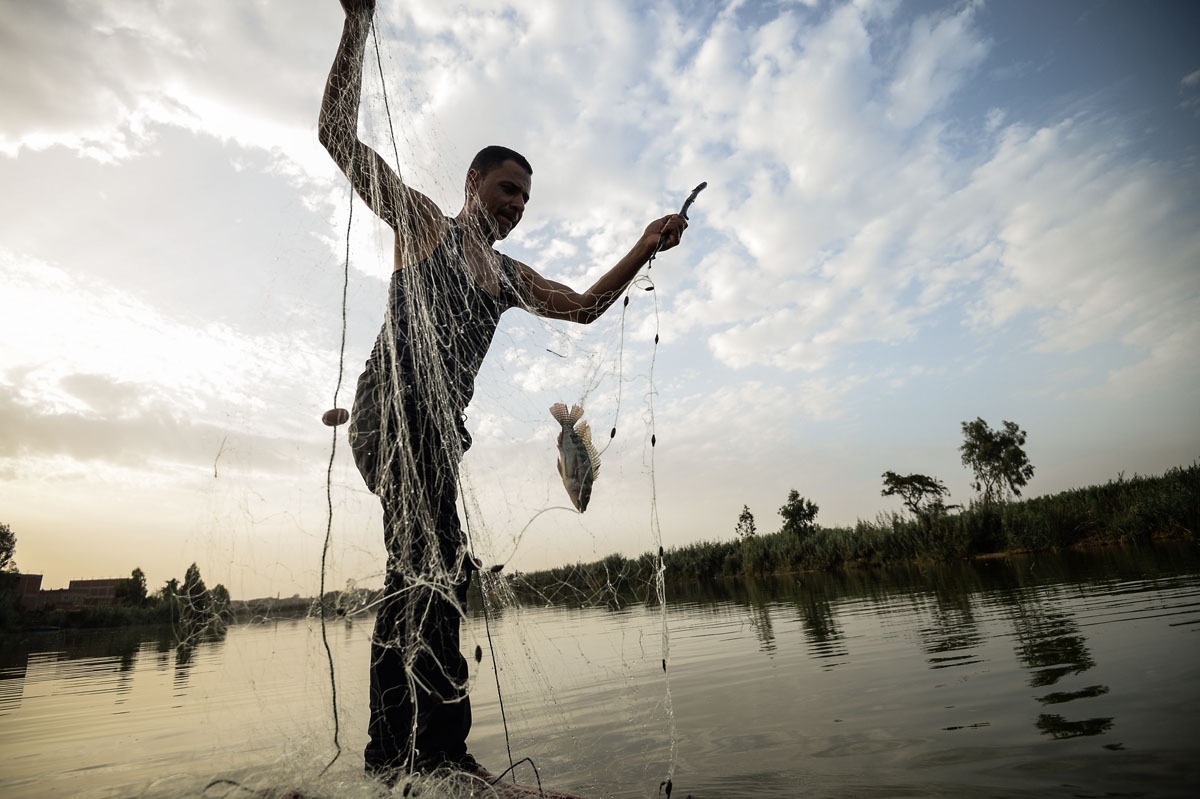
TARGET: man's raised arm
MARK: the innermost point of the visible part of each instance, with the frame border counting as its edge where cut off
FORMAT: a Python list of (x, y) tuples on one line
[(557, 301), (373, 179)]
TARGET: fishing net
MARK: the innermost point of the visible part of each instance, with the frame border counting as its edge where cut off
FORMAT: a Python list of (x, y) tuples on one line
[(457, 452)]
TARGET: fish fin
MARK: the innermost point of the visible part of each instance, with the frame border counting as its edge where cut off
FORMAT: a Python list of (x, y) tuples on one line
[(585, 435)]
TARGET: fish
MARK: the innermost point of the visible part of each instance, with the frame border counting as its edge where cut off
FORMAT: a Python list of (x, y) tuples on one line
[(578, 463)]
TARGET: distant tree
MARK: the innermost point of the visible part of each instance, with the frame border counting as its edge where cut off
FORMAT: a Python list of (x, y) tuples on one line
[(220, 598), (799, 515), (8, 546), (197, 609), (921, 494), (170, 590), (194, 594), (132, 590), (745, 524), (997, 459)]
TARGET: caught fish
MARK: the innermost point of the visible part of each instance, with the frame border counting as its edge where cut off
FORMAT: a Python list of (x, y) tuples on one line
[(578, 462)]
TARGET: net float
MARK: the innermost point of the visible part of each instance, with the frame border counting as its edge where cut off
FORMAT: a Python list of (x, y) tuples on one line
[(336, 416)]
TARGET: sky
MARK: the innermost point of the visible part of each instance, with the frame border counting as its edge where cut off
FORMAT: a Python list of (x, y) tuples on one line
[(917, 213)]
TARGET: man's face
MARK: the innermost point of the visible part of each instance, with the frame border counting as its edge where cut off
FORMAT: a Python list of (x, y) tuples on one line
[(503, 192)]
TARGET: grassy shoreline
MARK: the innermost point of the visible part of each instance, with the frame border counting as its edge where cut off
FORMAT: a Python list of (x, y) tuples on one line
[(152, 614), (1135, 510), (1125, 510)]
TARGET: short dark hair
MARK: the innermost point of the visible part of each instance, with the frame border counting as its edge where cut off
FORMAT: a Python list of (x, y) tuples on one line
[(494, 155)]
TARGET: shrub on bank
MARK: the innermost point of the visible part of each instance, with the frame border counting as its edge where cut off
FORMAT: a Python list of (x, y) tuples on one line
[(101, 616), (1120, 511)]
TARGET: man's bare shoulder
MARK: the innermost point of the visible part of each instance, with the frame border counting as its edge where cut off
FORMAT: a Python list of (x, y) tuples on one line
[(420, 227)]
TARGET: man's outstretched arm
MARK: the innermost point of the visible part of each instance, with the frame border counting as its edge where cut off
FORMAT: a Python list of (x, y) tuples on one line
[(557, 301), (373, 179)]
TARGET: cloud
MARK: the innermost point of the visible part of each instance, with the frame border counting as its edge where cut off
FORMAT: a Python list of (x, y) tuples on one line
[(838, 232), (70, 75), (850, 204), (1095, 246), (1190, 82), (828, 195), (134, 383), (98, 78), (825, 224), (942, 53)]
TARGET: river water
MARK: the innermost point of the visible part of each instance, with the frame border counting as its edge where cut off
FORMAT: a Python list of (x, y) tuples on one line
[(1072, 675)]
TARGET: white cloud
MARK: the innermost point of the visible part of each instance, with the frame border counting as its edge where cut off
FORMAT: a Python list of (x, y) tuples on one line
[(97, 78), (1057, 222), (1094, 245), (942, 52), (106, 356)]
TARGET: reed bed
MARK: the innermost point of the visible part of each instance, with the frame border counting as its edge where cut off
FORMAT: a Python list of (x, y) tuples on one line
[(1124, 510)]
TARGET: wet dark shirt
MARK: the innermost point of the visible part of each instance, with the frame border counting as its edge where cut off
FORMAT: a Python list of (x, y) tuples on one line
[(436, 331)]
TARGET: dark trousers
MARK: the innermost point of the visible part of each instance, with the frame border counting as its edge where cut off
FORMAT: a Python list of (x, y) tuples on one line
[(419, 711)]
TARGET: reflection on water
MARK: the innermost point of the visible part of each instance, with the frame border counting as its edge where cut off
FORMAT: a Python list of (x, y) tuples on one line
[(821, 630), (1055, 698), (93, 661), (1073, 674), (1056, 726), (1051, 645), (952, 635), (760, 617)]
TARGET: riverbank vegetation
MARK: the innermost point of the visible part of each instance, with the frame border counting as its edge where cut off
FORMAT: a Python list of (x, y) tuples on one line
[(1124, 510), (996, 521), (190, 608)]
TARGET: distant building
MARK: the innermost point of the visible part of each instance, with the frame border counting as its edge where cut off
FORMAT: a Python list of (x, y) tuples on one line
[(95, 592), (29, 588), (77, 594)]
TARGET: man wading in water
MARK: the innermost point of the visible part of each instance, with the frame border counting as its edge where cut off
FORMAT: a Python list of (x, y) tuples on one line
[(447, 292)]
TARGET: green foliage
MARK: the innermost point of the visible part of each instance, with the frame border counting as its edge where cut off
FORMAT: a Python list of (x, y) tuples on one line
[(194, 593), (921, 494), (132, 590), (997, 459), (1121, 511), (220, 598), (153, 613), (799, 515), (196, 612), (8, 546), (745, 524)]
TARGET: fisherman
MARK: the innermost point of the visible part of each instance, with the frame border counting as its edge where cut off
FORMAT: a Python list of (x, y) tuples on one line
[(447, 291)]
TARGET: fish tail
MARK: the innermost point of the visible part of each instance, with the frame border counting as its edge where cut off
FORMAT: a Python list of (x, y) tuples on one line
[(560, 413)]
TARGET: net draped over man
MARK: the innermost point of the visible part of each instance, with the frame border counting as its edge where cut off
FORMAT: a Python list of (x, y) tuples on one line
[(448, 289)]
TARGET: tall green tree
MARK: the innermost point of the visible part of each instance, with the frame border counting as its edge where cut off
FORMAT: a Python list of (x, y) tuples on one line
[(132, 590), (170, 590), (997, 459), (220, 598), (8, 546), (745, 524), (799, 515), (194, 593), (920, 493)]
